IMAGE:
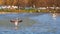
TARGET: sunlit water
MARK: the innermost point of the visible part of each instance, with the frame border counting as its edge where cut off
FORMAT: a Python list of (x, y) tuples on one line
[(43, 23)]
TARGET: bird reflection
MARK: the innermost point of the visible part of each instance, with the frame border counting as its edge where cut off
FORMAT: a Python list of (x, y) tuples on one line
[(16, 28)]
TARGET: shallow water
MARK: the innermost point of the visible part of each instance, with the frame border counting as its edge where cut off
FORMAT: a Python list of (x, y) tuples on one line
[(47, 23)]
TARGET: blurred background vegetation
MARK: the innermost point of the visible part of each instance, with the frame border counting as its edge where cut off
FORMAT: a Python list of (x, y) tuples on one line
[(29, 5)]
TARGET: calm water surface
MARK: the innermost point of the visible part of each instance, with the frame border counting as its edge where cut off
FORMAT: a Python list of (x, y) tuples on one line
[(40, 23)]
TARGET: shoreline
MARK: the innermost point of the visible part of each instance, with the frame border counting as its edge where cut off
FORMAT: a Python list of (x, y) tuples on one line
[(8, 13), (22, 12)]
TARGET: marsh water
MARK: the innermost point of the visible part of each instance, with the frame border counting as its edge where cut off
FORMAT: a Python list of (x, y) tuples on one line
[(33, 23)]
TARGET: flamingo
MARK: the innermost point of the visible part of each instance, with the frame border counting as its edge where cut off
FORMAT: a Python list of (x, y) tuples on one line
[(16, 22), (54, 16)]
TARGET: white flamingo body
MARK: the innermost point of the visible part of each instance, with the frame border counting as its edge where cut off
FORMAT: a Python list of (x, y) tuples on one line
[(54, 16)]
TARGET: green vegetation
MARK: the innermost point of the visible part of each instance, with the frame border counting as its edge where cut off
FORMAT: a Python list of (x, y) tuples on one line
[(28, 10)]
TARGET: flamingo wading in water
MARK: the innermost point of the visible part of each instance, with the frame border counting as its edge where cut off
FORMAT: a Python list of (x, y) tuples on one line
[(16, 21)]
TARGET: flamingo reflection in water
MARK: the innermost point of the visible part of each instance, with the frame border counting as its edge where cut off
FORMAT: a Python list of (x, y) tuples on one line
[(16, 22)]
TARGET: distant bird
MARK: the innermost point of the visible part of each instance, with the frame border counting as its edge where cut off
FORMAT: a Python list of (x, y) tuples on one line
[(16, 21), (54, 16)]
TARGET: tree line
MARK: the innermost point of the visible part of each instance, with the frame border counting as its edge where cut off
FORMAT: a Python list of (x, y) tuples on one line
[(30, 3)]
